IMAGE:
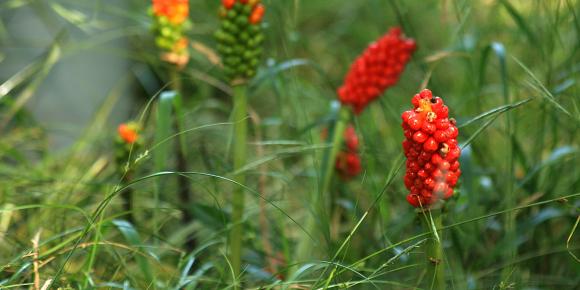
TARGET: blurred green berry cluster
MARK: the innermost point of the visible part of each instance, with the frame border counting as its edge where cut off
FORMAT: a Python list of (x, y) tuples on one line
[(240, 37), (169, 35)]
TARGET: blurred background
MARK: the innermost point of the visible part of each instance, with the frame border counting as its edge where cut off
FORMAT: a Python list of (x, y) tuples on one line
[(72, 70)]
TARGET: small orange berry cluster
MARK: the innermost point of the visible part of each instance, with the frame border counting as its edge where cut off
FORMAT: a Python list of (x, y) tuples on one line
[(377, 69), (128, 133), (128, 139), (348, 163), (170, 17), (431, 149), (239, 37)]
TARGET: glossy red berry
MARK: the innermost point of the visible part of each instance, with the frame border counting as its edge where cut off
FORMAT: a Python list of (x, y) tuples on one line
[(431, 149), (377, 69)]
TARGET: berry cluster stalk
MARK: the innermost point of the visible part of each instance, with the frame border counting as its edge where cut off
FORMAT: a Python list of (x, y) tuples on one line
[(185, 195), (432, 221), (240, 151), (318, 201)]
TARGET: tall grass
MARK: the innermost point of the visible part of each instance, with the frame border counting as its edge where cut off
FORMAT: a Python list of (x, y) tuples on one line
[(508, 69)]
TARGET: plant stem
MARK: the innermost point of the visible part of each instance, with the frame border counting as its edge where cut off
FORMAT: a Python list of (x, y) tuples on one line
[(319, 201), (240, 151), (185, 195), (432, 221)]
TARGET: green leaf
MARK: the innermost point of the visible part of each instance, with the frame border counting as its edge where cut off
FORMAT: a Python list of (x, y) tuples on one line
[(133, 238)]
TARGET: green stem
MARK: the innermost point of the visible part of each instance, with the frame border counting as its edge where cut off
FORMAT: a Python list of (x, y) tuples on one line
[(240, 151), (185, 195), (432, 221), (320, 201)]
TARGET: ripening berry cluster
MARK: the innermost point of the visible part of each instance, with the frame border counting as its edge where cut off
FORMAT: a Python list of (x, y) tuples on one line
[(169, 17), (348, 163), (431, 149), (377, 69), (240, 37), (128, 139)]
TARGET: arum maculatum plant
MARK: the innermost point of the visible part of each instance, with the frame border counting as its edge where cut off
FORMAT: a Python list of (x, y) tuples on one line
[(432, 153), (239, 44), (127, 142), (374, 71)]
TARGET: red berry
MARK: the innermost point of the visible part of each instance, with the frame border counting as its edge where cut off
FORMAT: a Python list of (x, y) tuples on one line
[(407, 115), (452, 132), (413, 199), (430, 145), (440, 136), (420, 137), (454, 166), (429, 128), (453, 154), (415, 123), (444, 165), (442, 124), (448, 194)]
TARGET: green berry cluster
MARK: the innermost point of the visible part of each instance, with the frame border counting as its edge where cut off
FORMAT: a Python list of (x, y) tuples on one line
[(239, 41)]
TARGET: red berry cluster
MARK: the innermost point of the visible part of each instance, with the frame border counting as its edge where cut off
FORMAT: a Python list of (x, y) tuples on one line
[(377, 69), (431, 149), (348, 164)]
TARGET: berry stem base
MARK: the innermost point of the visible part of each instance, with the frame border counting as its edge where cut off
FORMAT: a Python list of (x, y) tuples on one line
[(432, 222), (240, 151)]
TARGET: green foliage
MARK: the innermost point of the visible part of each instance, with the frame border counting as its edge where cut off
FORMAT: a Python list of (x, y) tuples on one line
[(508, 70)]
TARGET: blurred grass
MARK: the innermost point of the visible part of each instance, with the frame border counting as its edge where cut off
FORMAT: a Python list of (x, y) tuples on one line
[(509, 71)]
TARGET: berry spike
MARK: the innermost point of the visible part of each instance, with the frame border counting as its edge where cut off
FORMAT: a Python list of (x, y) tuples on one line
[(348, 163), (128, 133), (431, 149), (240, 37), (169, 22), (376, 69)]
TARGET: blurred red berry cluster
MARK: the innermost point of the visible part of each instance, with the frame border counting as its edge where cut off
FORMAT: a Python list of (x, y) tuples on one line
[(431, 149), (176, 11), (377, 69), (348, 164), (128, 133)]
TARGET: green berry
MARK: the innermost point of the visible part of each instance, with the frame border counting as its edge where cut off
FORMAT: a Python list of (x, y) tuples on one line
[(232, 14), (242, 20)]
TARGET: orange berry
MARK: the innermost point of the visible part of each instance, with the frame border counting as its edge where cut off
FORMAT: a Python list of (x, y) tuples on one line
[(127, 133), (257, 14)]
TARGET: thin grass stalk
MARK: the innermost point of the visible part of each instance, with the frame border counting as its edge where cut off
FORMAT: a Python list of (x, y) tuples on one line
[(433, 223), (510, 194), (240, 152), (93, 252), (270, 260), (319, 201)]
